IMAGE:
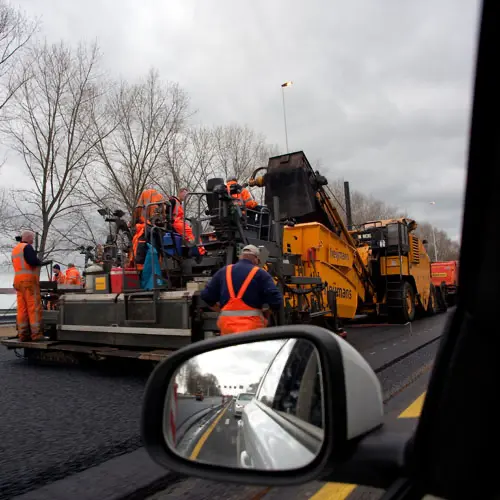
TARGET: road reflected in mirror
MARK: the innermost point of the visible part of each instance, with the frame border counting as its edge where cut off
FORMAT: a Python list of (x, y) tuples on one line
[(256, 406)]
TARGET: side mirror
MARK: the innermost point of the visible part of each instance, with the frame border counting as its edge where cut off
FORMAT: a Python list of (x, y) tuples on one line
[(307, 397)]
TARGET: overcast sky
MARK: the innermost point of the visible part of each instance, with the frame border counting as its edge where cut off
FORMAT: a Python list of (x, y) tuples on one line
[(381, 91), (239, 365)]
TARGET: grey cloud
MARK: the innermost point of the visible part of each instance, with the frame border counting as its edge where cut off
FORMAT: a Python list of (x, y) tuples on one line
[(382, 90)]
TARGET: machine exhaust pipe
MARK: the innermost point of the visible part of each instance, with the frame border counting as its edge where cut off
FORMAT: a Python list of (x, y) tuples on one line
[(348, 211)]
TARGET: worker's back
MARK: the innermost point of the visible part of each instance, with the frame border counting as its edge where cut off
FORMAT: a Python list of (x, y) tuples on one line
[(241, 290), (255, 292), (72, 276)]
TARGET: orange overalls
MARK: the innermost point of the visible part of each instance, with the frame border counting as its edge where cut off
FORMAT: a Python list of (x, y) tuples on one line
[(243, 198), (72, 276), (148, 197), (236, 316), (29, 303), (181, 227)]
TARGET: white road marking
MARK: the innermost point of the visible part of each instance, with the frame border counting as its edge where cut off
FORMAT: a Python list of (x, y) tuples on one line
[(227, 421)]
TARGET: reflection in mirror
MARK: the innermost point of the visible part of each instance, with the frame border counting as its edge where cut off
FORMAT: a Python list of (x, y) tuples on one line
[(257, 405)]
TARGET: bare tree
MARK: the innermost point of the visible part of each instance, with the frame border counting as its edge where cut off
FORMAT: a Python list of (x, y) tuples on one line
[(190, 161), (364, 208), (149, 116), (239, 151), (203, 153), (447, 249), (16, 31), (54, 134)]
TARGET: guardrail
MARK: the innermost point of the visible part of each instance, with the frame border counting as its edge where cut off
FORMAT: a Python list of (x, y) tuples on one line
[(8, 319)]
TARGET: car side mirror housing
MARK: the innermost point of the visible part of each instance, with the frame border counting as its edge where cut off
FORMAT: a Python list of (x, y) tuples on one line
[(280, 405)]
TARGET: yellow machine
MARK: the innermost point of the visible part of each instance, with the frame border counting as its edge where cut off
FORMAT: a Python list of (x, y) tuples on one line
[(330, 279), (381, 268), (399, 266)]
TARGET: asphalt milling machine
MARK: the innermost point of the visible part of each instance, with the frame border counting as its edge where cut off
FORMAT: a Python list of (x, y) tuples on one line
[(329, 273)]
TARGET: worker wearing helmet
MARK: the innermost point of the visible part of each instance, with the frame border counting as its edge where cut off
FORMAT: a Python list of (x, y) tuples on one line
[(179, 223), (72, 276), (240, 195), (27, 285), (241, 290)]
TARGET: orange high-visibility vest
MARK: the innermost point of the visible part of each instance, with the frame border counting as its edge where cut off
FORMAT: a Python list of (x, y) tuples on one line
[(148, 197), (58, 277), (243, 198), (139, 246), (236, 316), (72, 277), (22, 270)]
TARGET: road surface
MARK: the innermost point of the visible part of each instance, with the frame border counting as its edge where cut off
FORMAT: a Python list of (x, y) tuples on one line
[(57, 421)]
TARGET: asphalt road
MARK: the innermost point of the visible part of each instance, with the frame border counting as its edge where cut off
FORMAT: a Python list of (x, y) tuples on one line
[(221, 434), (187, 407), (60, 420)]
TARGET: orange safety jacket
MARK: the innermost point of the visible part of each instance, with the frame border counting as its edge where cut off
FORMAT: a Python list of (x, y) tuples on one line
[(181, 227), (243, 198), (152, 198), (22, 270), (58, 277), (139, 246), (72, 276), (236, 316)]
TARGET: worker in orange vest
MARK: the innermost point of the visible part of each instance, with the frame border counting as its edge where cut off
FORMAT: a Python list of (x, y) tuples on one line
[(72, 276), (241, 290), (240, 195), (58, 274), (150, 204), (27, 285), (179, 224)]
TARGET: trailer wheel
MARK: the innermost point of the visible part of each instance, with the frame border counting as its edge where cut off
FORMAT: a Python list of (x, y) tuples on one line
[(432, 305), (441, 299), (402, 308)]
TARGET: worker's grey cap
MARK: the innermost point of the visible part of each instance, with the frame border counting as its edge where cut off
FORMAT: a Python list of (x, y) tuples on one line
[(251, 249)]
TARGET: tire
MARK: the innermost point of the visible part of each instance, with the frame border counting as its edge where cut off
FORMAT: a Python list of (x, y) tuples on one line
[(432, 306), (441, 299), (403, 309)]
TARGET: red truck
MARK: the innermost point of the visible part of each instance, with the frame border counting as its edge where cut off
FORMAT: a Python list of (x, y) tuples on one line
[(445, 276)]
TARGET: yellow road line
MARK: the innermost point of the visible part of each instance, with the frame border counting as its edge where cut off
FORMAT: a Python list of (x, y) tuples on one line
[(206, 434), (340, 491), (334, 491), (414, 410)]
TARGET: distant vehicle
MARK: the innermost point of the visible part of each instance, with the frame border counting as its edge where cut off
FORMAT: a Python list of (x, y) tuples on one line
[(199, 396), (445, 275), (241, 401)]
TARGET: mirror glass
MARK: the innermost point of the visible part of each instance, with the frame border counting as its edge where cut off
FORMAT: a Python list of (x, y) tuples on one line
[(257, 405)]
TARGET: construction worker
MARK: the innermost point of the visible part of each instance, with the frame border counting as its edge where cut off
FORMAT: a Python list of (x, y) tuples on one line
[(150, 204), (241, 290), (179, 224), (58, 274), (27, 285), (72, 276), (240, 195)]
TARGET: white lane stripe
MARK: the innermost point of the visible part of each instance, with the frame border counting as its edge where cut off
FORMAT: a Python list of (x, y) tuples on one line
[(227, 421)]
